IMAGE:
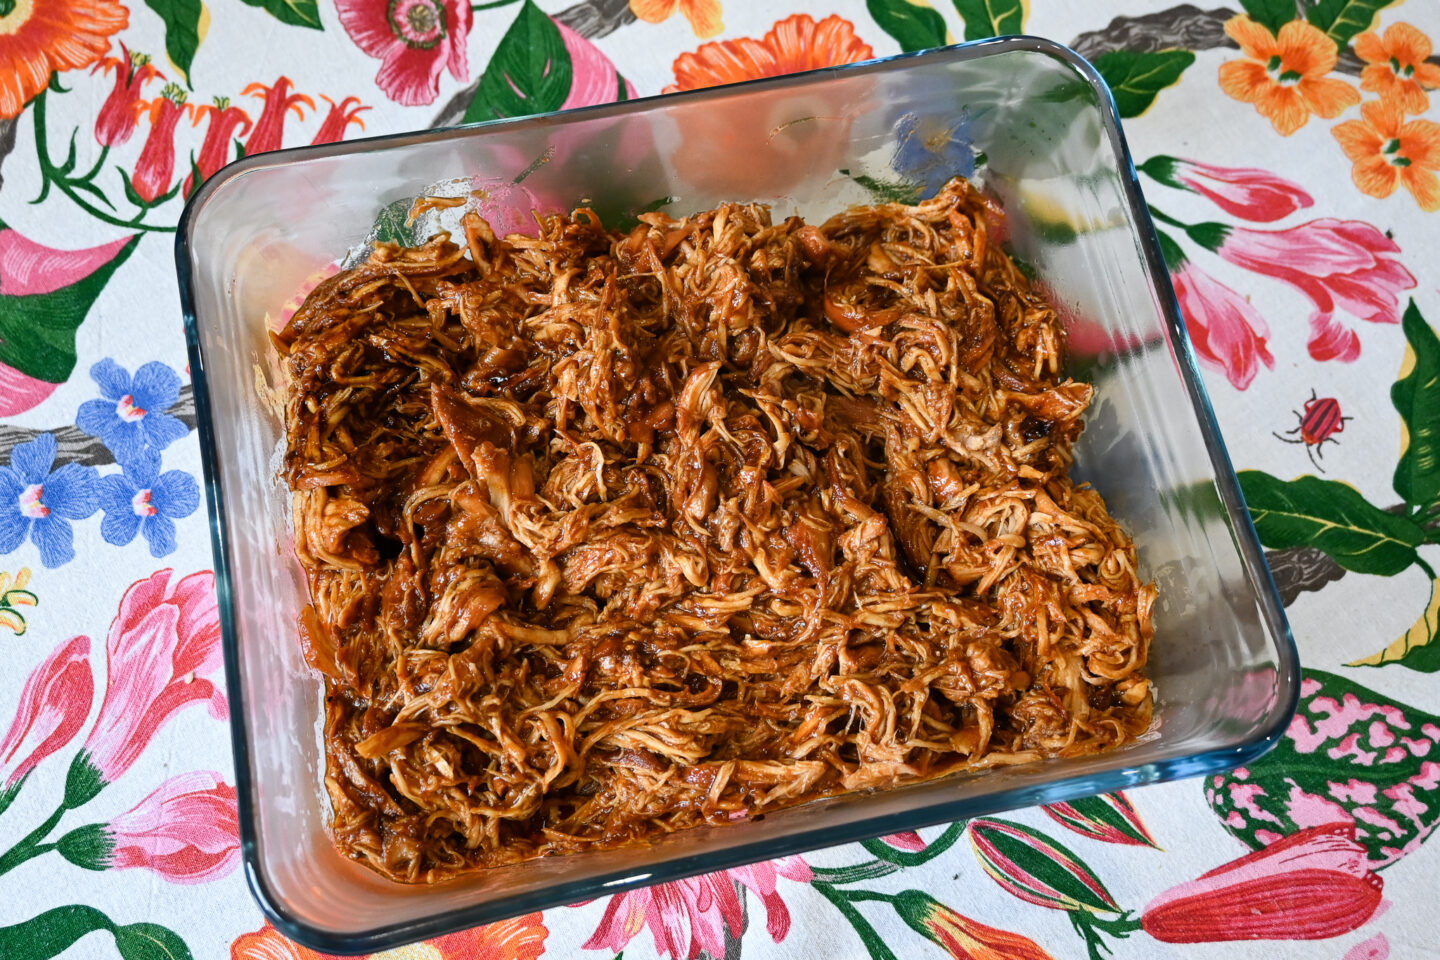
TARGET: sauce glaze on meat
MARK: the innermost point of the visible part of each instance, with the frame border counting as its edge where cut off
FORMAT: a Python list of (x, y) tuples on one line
[(614, 534)]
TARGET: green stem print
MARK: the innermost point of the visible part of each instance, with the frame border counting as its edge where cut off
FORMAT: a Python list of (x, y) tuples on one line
[(54, 931), (61, 176)]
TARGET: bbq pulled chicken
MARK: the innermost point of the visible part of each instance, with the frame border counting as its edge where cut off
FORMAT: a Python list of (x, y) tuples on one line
[(614, 534)]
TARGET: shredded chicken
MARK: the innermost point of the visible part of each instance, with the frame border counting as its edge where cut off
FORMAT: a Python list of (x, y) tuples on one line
[(614, 534)]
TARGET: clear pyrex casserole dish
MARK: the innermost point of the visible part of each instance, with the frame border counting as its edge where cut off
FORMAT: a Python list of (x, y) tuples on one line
[(1037, 125)]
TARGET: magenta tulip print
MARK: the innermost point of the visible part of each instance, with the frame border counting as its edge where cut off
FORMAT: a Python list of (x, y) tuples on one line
[(186, 831), (1244, 192), (53, 708), (1227, 331)]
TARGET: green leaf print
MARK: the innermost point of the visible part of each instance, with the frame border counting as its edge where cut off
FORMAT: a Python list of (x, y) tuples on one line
[(1333, 518), (54, 931), (991, 18), (182, 31), (530, 72), (1273, 14), (914, 25), (1416, 396), (1136, 79), (1343, 20), (297, 13), (1417, 648)]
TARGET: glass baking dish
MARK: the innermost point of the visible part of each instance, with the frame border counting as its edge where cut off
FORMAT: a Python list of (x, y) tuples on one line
[(1039, 128)]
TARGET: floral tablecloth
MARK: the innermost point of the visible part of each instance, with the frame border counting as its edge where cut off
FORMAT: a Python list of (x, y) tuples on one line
[(1289, 151)]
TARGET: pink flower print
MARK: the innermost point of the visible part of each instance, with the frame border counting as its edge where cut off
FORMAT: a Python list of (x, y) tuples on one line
[(226, 124), (594, 78), (164, 641), (1311, 885), (187, 831), (269, 132), (1341, 265), (1244, 192), (53, 707), (414, 39), (1228, 333), (341, 115), (120, 113), (156, 166), (698, 908)]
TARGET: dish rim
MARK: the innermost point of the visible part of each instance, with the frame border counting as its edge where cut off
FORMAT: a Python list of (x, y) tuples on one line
[(387, 936)]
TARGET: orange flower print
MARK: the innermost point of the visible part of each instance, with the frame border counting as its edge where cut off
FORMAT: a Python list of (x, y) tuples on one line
[(522, 938), (1396, 66), (1389, 152), (38, 37), (704, 15), (794, 44), (1285, 75)]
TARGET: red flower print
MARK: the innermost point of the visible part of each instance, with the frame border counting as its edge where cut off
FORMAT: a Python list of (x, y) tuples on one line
[(226, 124), (1244, 192), (156, 166), (522, 938), (187, 831), (53, 707), (38, 37), (1228, 332), (793, 44), (700, 907), (120, 113), (414, 39), (961, 937), (270, 128), (164, 641), (1339, 264), (341, 115), (1311, 885)]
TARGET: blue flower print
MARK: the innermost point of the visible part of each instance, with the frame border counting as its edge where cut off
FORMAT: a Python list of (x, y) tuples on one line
[(39, 503), (131, 416), (931, 151), (141, 499)]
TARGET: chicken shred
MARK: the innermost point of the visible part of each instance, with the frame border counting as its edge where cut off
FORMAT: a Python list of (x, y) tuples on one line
[(612, 534)]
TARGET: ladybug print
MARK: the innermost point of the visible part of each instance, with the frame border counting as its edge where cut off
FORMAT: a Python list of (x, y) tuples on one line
[(1317, 427)]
